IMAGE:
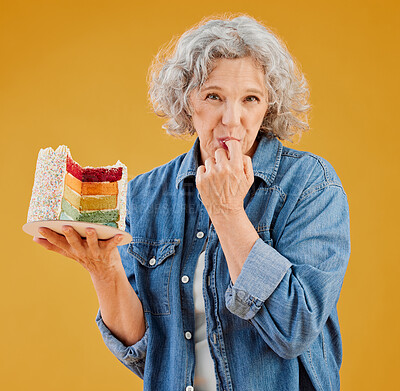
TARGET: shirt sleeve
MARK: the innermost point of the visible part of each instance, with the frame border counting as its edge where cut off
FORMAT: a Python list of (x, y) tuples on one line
[(133, 357), (288, 291), (261, 273)]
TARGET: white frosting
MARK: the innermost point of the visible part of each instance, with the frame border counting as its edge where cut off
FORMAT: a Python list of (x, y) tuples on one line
[(122, 188), (48, 186)]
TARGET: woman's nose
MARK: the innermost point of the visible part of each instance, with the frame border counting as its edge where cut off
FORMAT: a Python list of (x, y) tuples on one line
[(231, 115)]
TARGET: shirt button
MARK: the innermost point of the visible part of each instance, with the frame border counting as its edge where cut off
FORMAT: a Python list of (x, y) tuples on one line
[(200, 235), (152, 261), (185, 279), (189, 388), (188, 335)]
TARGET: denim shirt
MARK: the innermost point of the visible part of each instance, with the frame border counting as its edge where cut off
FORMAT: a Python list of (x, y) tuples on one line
[(277, 327)]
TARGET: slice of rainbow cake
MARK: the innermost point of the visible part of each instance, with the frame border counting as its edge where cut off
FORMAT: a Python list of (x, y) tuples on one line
[(63, 190)]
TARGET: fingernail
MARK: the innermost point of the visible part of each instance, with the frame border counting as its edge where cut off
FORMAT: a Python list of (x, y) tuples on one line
[(118, 238), (66, 229), (42, 231), (90, 231)]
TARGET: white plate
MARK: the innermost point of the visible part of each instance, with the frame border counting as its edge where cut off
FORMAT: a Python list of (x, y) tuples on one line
[(103, 231)]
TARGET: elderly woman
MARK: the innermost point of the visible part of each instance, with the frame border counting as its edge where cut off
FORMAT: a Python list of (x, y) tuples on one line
[(239, 246)]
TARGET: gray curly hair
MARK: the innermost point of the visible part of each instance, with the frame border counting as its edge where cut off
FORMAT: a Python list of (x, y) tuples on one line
[(185, 64)]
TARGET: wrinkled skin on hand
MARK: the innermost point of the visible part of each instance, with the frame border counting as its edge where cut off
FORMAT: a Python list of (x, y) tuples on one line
[(98, 257), (224, 180)]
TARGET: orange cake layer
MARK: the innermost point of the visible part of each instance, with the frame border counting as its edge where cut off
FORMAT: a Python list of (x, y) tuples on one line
[(91, 188)]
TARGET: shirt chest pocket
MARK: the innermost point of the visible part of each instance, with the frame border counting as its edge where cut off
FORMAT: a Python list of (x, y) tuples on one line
[(153, 272)]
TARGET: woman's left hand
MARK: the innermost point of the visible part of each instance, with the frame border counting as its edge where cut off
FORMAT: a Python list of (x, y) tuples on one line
[(224, 180)]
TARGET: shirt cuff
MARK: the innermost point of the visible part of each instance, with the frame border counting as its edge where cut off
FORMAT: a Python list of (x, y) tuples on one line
[(261, 273), (131, 356)]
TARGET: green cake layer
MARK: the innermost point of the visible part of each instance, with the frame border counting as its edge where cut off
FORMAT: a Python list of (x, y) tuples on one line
[(64, 216), (98, 216)]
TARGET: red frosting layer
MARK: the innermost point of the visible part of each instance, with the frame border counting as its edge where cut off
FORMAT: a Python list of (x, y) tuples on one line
[(98, 174)]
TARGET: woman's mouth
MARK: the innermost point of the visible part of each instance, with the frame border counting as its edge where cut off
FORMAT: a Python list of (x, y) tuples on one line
[(223, 145), (222, 141)]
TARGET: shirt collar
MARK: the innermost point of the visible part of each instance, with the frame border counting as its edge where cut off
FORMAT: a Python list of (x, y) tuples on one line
[(190, 163), (265, 160)]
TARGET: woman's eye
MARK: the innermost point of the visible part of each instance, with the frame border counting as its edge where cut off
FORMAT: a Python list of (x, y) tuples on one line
[(212, 96), (252, 99)]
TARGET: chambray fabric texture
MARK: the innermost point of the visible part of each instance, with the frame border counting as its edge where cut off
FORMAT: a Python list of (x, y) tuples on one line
[(277, 327)]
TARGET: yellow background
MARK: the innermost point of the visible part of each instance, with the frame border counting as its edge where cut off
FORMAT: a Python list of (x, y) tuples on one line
[(74, 73)]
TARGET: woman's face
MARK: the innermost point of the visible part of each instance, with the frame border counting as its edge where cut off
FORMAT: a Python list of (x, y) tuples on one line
[(230, 105)]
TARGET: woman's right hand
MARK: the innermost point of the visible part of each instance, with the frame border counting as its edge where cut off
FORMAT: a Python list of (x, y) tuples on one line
[(99, 258)]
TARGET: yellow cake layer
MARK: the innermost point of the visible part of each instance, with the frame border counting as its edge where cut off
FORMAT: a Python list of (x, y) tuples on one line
[(91, 188), (89, 202)]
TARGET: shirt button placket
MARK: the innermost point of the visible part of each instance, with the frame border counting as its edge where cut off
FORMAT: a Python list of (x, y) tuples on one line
[(185, 279)]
